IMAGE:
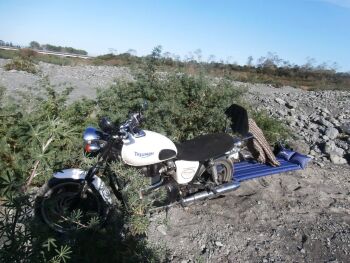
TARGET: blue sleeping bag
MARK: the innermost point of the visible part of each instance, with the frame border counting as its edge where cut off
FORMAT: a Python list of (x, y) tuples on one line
[(246, 170)]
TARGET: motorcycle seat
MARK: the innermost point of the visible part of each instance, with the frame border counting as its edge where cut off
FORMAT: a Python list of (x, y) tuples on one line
[(205, 147)]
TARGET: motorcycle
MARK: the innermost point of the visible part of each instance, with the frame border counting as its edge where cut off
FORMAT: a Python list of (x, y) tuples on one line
[(194, 170)]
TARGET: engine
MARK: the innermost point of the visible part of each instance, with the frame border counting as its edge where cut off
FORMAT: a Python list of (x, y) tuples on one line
[(152, 173)]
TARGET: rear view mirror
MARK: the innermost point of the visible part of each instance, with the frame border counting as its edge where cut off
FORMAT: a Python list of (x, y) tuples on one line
[(106, 125), (239, 119)]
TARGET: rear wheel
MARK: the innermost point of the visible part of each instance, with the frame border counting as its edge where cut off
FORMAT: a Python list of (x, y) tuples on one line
[(69, 206), (224, 170)]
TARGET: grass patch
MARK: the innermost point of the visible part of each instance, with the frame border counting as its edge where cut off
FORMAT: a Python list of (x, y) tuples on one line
[(274, 130), (56, 60), (8, 54), (22, 64)]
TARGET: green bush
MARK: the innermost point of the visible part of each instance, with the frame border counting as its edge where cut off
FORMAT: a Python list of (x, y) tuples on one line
[(27, 53), (40, 134), (180, 106), (274, 130), (21, 64)]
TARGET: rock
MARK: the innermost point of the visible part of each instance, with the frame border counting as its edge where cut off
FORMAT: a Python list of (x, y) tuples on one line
[(280, 101), (300, 146), (313, 153), (323, 114), (331, 133), (330, 147), (281, 113), (162, 229), (324, 159), (219, 244), (316, 149), (302, 117), (343, 145), (291, 105), (325, 123), (336, 159), (291, 112), (334, 122), (320, 164), (345, 128), (326, 111)]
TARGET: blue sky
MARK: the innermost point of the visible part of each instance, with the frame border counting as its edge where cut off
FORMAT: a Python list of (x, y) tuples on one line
[(230, 30)]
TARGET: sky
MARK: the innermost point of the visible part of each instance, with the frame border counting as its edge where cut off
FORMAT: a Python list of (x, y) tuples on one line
[(231, 30)]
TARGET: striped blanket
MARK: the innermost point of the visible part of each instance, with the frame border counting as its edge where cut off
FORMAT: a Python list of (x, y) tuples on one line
[(259, 147)]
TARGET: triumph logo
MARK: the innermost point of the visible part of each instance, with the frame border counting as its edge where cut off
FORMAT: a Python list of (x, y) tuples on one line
[(143, 155)]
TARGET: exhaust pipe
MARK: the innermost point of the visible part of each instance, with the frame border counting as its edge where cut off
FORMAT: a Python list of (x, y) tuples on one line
[(221, 189)]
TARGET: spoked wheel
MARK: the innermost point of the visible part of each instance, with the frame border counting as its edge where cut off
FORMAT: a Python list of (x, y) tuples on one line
[(224, 169), (68, 206)]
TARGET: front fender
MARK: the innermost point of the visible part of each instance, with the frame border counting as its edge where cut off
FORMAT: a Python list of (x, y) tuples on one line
[(79, 175)]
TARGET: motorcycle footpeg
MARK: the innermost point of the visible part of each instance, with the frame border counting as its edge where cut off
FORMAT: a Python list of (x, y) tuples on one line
[(212, 189)]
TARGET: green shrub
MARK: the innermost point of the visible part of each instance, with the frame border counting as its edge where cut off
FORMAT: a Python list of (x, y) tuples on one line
[(40, 134), (21, 64), (18, 229), (180, 106), (27, 53), (274, 130)]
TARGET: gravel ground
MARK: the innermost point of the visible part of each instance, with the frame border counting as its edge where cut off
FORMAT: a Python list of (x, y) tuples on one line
[(301, 216), (84, 79)]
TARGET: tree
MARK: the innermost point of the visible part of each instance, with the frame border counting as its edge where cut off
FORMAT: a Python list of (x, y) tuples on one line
[(167, 55), (250, 60), (310, 63), (34, 45), (198, 53), (131, 52), (157, 52), (211, 58)]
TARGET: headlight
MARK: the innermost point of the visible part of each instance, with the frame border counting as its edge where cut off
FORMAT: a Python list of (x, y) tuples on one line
[(93, 140), (92, 134)]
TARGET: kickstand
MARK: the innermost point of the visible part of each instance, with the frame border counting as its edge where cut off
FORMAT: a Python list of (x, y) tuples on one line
[(166, 213)]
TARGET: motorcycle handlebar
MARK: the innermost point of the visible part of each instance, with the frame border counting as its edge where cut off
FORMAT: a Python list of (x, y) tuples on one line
[(131, 124)]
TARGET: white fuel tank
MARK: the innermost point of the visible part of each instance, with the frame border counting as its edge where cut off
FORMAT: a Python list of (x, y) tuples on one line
[(149, 149)]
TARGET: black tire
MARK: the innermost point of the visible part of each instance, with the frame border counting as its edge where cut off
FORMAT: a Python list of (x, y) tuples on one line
[(224, 169), (65, 208)]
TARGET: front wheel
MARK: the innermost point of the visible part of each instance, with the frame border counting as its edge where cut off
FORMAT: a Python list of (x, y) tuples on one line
[(69, 206)]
